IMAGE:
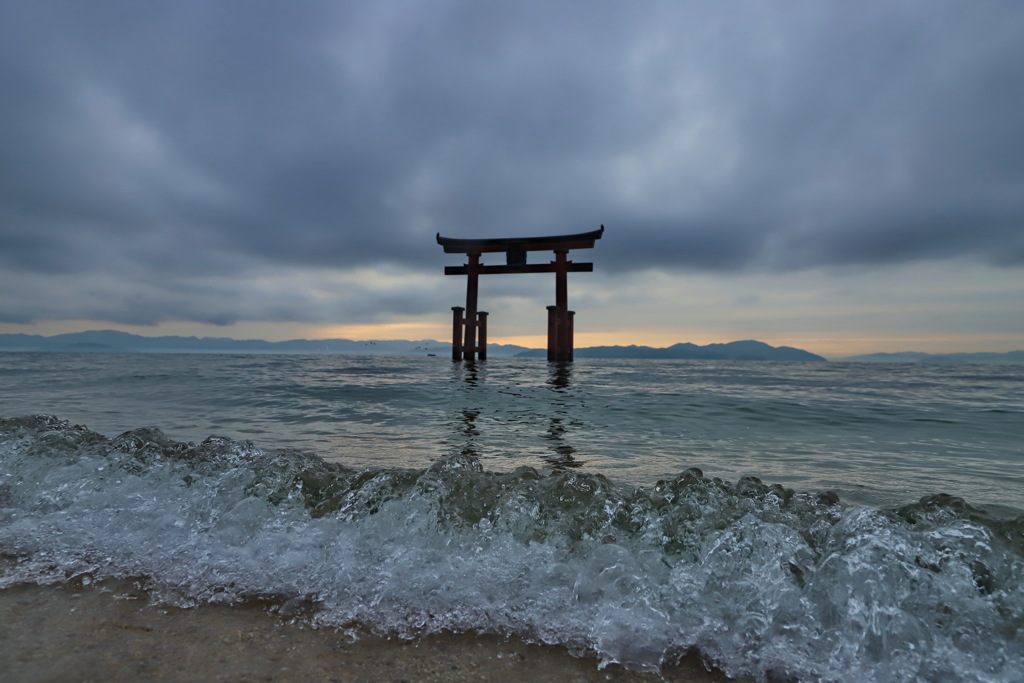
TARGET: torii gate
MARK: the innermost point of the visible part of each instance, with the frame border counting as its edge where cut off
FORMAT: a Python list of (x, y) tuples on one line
[(466, 343)]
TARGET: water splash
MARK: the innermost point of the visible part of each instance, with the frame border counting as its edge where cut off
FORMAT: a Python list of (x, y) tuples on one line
[(763, 581)]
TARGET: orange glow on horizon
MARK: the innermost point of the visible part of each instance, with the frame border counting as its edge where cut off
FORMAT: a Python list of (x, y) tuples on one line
[(407, 330), (828, 346)]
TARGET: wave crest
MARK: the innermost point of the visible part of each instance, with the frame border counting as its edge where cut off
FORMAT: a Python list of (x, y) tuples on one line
[(762, 580)]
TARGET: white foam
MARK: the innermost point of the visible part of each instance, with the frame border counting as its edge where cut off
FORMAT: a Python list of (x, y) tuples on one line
[(759, 586)]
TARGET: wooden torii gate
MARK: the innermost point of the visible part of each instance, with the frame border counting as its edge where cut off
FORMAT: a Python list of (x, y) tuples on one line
[(469, 326)]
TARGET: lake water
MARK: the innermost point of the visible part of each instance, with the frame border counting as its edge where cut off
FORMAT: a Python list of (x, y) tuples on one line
[(826, 521)]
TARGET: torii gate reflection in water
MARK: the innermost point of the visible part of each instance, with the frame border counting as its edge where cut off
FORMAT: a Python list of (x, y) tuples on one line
[(469, 326)]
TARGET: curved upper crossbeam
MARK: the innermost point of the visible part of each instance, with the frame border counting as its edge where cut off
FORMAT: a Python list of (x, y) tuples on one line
[(582, 240)]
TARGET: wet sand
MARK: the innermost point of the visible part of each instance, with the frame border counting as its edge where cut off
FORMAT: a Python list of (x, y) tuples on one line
[(111, 633)]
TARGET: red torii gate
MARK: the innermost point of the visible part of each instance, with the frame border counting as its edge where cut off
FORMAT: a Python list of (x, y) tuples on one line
[(466, 343)]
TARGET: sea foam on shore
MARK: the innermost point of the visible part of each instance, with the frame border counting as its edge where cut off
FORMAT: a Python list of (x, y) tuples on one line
[(761, 580)]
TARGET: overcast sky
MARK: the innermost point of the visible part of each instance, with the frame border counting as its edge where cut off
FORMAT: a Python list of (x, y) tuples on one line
[(838, 176)]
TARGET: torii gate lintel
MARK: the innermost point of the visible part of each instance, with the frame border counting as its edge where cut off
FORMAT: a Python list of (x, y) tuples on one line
[(467, 321)]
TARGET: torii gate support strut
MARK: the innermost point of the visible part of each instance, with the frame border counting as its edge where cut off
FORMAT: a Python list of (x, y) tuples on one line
[(469, 325)]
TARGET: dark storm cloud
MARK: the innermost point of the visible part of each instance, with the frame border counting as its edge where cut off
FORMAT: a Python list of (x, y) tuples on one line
[(152, 143)]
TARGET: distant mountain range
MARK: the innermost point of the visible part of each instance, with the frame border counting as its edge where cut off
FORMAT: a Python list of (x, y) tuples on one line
[(112, 341), (1008, 358), (737, 350)]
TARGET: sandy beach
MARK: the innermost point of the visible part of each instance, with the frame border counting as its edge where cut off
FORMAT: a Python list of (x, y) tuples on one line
[(110, 632)]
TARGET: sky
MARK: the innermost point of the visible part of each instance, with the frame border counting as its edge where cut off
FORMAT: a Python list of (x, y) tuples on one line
[(843, 177)]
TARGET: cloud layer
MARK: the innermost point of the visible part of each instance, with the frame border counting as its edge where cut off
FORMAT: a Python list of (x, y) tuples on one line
[(216, 161)]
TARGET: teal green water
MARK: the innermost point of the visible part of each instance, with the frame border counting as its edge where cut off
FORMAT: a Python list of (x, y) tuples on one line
[(875, 434)]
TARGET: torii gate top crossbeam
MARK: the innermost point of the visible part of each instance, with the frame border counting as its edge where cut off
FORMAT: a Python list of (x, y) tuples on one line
[(583, 240)]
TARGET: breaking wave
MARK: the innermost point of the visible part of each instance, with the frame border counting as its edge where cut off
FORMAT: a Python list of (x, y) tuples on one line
[(762, 581)]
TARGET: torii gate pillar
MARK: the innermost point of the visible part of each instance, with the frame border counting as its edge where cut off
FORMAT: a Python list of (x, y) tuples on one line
[(469, 326)]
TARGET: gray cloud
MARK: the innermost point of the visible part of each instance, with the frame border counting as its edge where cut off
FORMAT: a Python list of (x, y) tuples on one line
[(148, 144)]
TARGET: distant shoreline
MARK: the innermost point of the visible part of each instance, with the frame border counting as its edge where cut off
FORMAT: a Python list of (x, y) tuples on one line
[(110, 341)]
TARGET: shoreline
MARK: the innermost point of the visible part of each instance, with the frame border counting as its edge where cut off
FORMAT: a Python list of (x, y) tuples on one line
[(110, 632)]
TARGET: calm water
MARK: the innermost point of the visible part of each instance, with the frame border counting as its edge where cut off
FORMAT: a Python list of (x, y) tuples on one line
[(557, 503), (875, 434)]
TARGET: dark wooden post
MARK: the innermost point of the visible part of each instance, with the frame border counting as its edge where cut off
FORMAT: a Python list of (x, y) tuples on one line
[(472, 287), (482, 335), (552, 331), (570, 318), (562, 305), (561, 279), (457, 332)]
